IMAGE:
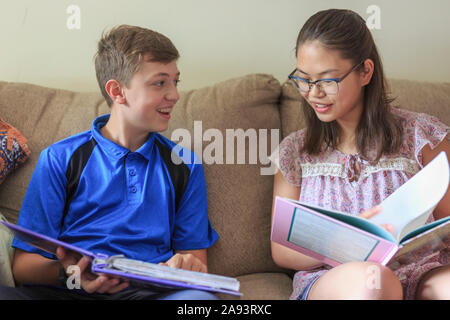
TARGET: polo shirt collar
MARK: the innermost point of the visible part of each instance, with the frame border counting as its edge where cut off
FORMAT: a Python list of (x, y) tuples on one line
[(115, 150)]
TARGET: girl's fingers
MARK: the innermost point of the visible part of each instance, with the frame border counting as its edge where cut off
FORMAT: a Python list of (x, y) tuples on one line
[(388, 227), (371, 212)]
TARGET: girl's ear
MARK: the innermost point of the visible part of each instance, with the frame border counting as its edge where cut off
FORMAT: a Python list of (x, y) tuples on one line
[(366, 72), (115, 91)]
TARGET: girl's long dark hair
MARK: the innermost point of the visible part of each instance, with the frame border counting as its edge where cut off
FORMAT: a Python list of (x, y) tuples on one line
[(346, 31)]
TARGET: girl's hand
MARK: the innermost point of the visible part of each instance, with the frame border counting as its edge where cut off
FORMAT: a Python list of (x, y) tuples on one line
[(373, 211), (91, 283)]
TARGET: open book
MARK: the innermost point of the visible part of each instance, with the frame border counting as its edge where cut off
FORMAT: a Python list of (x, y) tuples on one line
[(139, 273), (335, 237)]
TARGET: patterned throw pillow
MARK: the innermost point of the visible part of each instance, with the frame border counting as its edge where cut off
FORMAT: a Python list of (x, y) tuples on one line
[(14, 150)]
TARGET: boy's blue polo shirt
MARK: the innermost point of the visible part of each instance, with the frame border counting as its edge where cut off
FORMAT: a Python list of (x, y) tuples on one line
[(124, 202)]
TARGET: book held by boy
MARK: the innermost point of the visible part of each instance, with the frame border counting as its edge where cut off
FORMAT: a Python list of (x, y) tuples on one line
[(158, 277), (335, 237)]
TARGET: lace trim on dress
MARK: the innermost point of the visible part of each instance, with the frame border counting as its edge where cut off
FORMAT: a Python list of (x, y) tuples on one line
[(323, 169), (399, 164), (340, 170)]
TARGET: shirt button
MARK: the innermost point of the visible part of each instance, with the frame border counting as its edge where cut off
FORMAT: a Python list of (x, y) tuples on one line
[(133, 189), (132, 172)]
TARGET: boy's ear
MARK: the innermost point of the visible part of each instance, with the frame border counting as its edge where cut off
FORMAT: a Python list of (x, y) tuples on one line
[(367, 72), (115, 91)]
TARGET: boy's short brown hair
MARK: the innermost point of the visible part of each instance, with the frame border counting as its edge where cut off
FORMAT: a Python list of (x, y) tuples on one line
[(121, 50)]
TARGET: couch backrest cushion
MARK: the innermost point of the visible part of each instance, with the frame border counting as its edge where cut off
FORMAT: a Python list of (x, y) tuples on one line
[(425, 97)]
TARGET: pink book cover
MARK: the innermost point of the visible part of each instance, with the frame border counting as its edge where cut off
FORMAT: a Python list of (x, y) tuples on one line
[(324, 238)]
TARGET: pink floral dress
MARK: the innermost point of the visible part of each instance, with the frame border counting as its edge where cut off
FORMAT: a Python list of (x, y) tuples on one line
[(347, 183)]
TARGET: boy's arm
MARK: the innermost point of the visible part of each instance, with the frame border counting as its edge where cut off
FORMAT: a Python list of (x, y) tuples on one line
[(34, 268), (41, 211), (44, 202), (193, 232)]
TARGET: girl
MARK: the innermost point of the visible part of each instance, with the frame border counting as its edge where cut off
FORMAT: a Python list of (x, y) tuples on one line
[(352, 126)]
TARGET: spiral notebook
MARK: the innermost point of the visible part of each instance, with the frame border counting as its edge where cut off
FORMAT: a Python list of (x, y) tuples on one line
[(139, 273)]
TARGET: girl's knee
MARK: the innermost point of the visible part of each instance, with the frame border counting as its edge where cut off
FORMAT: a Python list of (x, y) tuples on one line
[(381, 282), (370, 281), (435, 285)]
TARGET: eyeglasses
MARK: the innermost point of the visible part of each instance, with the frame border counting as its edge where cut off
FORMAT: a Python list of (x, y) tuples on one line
[(327, 86)]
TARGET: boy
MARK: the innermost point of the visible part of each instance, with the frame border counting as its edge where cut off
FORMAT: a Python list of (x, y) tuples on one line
[(114, 189)]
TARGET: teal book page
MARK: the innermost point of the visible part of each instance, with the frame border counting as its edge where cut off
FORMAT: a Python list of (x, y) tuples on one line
[(354, 221)]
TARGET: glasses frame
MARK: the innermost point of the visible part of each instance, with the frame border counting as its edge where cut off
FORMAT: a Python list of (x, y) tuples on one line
[(292, 78)]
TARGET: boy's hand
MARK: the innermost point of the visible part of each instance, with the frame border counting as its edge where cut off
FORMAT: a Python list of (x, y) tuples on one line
[(373, 211), (90, 282), (186, 261)]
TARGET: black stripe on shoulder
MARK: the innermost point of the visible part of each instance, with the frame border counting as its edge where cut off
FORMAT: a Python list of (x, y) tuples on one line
[(76, 166), (179, 173)]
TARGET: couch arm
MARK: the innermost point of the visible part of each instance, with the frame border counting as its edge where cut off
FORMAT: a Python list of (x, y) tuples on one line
[(6, 255)]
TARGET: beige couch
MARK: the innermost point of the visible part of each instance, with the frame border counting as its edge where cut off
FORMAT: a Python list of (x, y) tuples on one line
[(239, 196)]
